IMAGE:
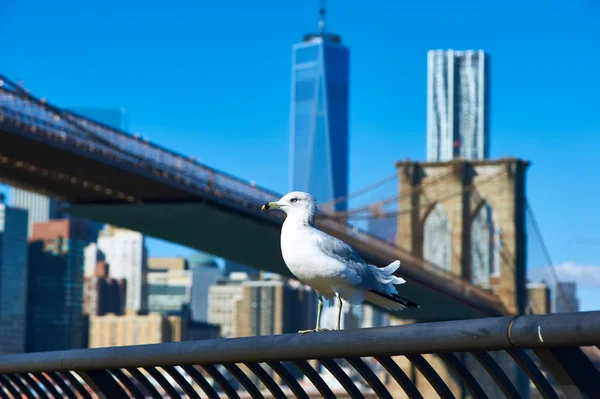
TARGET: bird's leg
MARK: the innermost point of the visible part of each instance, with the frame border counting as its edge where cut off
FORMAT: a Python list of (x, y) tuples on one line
[(318, 328), (320, 309), (339, 306)]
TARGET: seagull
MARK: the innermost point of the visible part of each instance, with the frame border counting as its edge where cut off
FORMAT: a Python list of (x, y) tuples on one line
[(330, 266)]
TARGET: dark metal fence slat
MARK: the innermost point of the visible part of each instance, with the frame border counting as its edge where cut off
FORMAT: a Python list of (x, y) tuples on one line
[(533, 372), (141, 378), (342, 377), (128, 383), (431, 375), (201, 381), (48, 384), (289, 379), (266, 379), (243, 379), (370, 377), (497, 374), (10, 387), (315, 378), (572, 370), (162, 381), (181, 381), (465, 376), (220, 380), (16, 380), (34, 385), (400, 376), (77, 387)]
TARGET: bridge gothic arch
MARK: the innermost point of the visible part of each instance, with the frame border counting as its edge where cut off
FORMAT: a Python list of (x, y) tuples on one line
[(437, 237), (486, 246)]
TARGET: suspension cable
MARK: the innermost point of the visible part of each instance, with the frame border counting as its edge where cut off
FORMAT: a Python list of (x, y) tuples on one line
[(546, 253)]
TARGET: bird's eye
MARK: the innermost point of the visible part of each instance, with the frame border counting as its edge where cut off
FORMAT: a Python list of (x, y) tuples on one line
[(294, 200)]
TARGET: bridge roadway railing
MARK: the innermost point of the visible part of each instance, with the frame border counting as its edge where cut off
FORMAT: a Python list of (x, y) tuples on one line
[(24, 114), (483, 358)]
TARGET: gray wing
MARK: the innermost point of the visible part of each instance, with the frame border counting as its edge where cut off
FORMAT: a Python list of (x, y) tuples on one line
[(345, 254), (342, 252)]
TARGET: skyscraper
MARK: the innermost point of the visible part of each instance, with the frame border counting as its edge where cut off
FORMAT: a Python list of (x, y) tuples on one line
[(244, 307), (55, 318), (458, 93), (125, 251), (319, 116), (13, 278), (169, 285), (205, 272), (565, 297), (40, 208)]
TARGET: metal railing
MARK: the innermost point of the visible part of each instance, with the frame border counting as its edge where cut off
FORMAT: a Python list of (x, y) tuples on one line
[(480, 357)]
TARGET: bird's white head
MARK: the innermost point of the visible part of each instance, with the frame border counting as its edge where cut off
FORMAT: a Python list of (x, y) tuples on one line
[(298, 205)]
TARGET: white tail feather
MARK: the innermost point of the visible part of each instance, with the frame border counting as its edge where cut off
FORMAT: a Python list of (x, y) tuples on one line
[(385, 275)]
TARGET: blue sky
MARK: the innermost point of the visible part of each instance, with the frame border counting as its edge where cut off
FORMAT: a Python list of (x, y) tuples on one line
[(212, 79)]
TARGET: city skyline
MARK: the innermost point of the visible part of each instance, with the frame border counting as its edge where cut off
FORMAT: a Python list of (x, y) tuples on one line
[(522, 124)]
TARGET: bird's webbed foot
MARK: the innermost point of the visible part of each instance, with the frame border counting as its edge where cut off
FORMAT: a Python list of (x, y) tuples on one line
[(302, 332)]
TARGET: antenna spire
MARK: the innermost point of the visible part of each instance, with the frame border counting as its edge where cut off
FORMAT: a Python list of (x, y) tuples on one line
[(322, 12)]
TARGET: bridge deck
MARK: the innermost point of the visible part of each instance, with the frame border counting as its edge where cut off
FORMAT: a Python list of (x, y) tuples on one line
[(112, 177)]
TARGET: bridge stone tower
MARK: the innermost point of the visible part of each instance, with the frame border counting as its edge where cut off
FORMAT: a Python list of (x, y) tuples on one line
[(469, 218)]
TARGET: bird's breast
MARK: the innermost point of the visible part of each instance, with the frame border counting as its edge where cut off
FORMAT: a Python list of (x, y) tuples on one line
[(302, 255)]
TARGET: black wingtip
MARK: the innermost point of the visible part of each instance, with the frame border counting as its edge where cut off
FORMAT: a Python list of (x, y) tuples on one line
[(398, 299)]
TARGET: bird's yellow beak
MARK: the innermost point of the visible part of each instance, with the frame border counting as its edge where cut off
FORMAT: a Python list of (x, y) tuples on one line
[(270, 205)]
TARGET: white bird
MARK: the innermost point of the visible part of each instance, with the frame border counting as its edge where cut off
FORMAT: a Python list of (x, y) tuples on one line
[(330, 266)]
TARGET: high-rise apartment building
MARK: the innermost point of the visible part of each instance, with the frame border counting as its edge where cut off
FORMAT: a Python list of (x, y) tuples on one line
[(157, 264), (244, 307), (39, 207), (205, 272), (125, 252), (13, 279), (169, 289), (133, 329), (458, 105), (565, 297), (55, 286), (101, 293), (319, 117)]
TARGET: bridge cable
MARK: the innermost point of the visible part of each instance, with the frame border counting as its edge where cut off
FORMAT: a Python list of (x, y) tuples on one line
[(69, 117), (546, 253), (464, 190), (363, 190), (394, 198)]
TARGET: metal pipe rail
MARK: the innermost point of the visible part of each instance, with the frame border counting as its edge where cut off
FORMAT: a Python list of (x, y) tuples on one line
[(363, 361)]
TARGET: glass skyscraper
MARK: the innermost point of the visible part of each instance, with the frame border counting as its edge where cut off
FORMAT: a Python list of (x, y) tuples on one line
[(13, 279), (55, 319), (39, 207), (458, 93), (319, 117)]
